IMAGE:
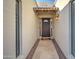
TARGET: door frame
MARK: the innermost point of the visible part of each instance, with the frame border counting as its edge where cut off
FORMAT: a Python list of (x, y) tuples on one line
[(19, 25), (73, 28)]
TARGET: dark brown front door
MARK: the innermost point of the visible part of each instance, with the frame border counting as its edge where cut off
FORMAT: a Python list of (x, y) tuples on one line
[(45, 27)]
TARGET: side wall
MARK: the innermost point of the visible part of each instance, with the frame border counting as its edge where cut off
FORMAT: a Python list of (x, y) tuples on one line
[(30, 27), (9, 29), (62, 30)]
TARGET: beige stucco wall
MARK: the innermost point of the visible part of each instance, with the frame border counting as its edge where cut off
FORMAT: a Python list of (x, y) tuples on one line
[(62, 30), (30, 27)]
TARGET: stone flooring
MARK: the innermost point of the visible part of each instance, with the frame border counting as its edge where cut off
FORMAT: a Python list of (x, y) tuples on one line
[(45, 50)]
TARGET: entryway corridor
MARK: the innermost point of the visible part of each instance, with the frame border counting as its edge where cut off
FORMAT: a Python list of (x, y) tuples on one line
[(46, 49), (39, 29)]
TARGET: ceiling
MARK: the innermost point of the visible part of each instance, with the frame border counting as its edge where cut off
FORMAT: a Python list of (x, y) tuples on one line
[(49, 3)]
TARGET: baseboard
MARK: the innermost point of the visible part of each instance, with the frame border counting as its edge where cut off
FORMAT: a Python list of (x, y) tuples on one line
[(20, 57), (72, 57), (46, 38), (9, 57), (59, 51), (31, 53)]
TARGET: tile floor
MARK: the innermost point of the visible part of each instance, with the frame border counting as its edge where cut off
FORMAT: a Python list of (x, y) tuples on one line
[(45, 50)]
